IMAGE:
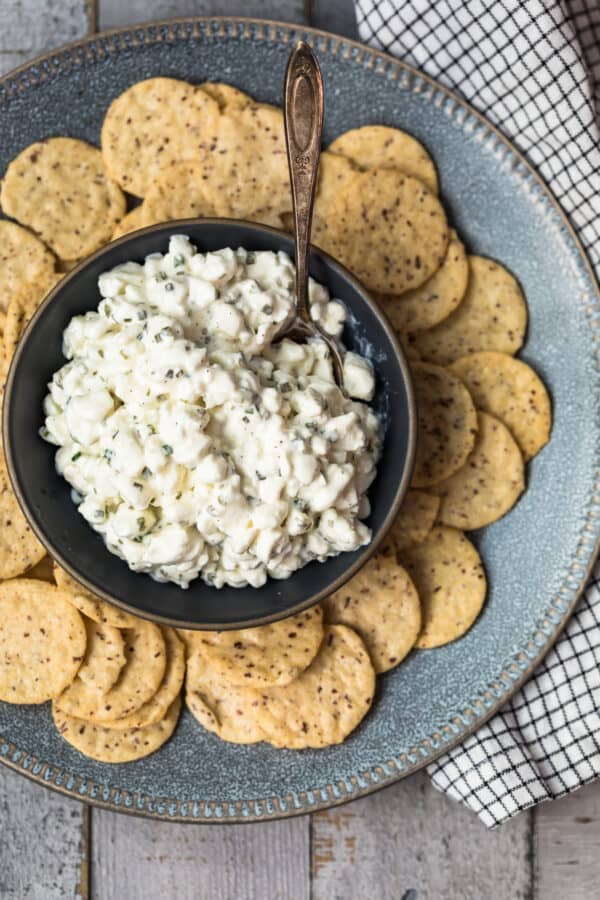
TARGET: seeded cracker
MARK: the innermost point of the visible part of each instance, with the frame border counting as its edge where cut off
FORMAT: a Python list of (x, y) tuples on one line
[(22, 306), (491, 316), (450, 579), (381, 604), (433, 302), (139, 680), (20, 550), (60, 189), (267, 655), (131, 221), (336, 175), (510, 390), (447, 424), (42, 641), (490, 482), (152, 124), (380, 146), (390, 231), (415, 520), (111, 746), (23, 260), (92, 607), (227, 96), (104, 656)]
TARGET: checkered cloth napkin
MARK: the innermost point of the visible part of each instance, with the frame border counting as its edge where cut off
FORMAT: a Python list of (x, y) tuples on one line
[(533, 68)]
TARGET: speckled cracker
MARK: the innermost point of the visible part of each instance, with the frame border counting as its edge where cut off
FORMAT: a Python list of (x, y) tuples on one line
[(319, 708), (23, 260), (491, 316), (104, 656), (266, 655), (42, 641), (131, 221), (382, 605), (248, 170), (156, 708), (490, 482), (380, 145), (154, 123), (390, 231), (449, 576), (510, 390), (447, 424), (227, 96), (109, 746), (93, 607), (140, 678), (415, 520), (336, 175), (20, 550), (433, 301), (22, 306), (60, 189)]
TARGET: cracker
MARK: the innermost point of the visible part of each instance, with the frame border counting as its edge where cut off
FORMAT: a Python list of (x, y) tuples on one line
[(156, 708), (60, 189), (447, 424), (144, 669), (227, 96), (131, 221), (93, 607), (491, 316), (319, 708), (415, 520), (266, 655), (433, 301), (510, 390), (490, 482), (22, 306), (20, 550), (390, 231), (449, 576), (42, 641), (154, 123), (104, 656), (381, 146), (381, 604), (109, 746), (23, 260)]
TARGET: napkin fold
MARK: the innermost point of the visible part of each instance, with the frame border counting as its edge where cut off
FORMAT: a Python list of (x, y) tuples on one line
[(533, 68)]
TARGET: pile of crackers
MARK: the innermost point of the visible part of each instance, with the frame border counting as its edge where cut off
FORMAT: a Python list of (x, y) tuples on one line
[(172, 150)]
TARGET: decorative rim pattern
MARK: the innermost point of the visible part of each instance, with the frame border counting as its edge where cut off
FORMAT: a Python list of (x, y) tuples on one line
[(515, 670)]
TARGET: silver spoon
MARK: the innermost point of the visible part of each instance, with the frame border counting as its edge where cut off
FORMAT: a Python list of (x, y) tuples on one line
[(303, 117)]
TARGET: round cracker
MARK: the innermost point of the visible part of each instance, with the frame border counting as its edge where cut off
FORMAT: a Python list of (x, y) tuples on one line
[(382, 605), (267, 655), (491, 316), (104, 656), (227, 96), (42, 641), (433, 301), (447, 424), (156, 708), (109, 746), (140, 678), (154, 123), (490, 482), (21, 308), (381, 146), (414, 521), (390, 231), (23, 259), (510, 390), (449, 576), (60, 189), (93, 607), (20, 550), (131, 221)]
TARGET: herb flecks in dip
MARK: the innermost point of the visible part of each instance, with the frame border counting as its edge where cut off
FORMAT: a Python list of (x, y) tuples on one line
[(196, 447)]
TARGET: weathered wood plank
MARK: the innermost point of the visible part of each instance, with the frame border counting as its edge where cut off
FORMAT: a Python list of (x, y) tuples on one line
[(138, 859), (410, 841), (338, 16), (31, 26), (113, 13), (566, 845), (42, 853)]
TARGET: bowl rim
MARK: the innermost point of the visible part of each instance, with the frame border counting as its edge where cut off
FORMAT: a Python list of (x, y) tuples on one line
[(176, 226)]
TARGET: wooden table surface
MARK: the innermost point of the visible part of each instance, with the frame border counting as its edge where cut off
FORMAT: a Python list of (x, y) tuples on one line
[(405, 843)]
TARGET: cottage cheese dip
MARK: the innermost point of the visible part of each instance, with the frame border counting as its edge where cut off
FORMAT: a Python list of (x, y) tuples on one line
[(194, 445)]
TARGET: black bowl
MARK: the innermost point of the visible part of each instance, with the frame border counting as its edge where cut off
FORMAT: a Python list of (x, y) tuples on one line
[(45, 496)]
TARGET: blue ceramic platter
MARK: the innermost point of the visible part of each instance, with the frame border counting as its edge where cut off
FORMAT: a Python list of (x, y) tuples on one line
[(537, 558)]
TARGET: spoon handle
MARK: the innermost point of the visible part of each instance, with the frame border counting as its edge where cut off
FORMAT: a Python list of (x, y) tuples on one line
[(303, 116)]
